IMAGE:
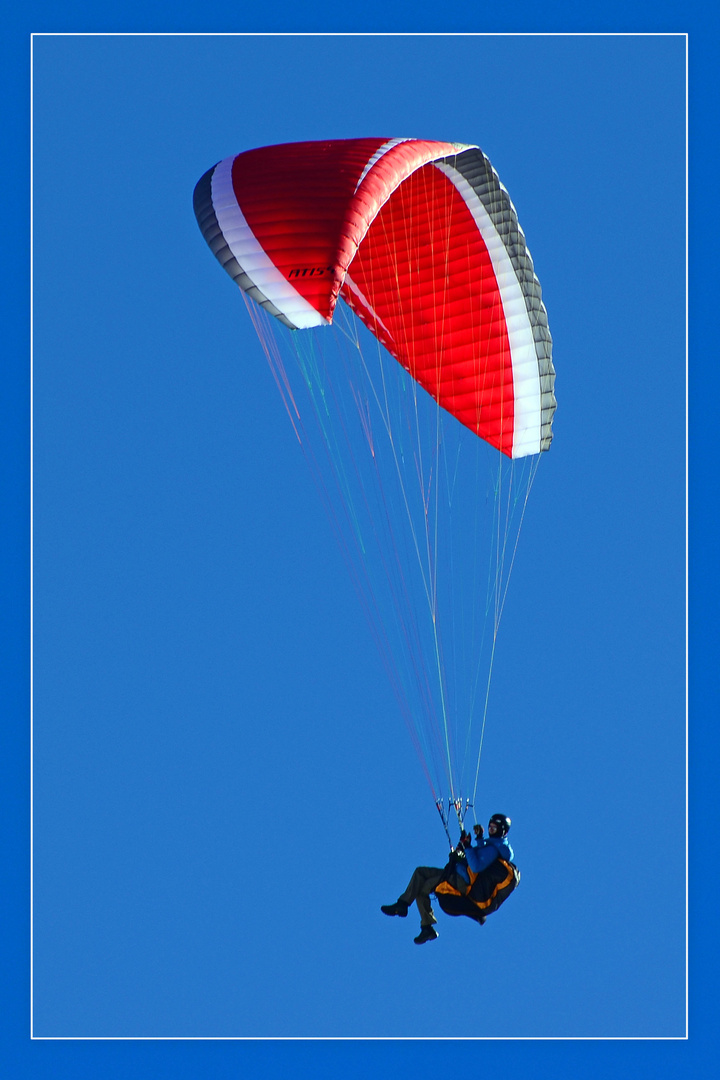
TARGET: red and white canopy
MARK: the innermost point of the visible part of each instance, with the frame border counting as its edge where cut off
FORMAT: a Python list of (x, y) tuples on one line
[(422, 241)]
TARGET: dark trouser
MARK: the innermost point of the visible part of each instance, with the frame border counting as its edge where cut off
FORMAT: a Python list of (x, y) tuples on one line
[(421, 885)]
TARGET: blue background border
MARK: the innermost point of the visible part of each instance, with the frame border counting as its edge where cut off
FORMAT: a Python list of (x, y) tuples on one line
[(21, 1057)]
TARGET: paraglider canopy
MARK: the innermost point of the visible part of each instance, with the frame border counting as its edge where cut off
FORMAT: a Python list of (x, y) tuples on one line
[(421, 240), (424, 427)]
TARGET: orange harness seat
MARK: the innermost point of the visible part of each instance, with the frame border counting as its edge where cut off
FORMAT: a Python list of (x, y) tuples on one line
[(486, 892)]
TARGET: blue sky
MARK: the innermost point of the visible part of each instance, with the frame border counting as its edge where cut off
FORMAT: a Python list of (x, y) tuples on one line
[(224, 790)]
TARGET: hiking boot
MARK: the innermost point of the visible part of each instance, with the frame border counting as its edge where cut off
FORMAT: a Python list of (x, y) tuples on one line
[(395, 909), (427, 933)]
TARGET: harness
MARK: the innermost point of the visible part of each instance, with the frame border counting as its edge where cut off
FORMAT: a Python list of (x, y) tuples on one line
[(488, 889)]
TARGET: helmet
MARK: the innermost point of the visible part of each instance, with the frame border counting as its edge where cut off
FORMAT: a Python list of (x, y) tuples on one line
[(503, 823)]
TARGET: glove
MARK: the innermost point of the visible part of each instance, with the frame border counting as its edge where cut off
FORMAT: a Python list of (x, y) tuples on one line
[(465, 839), (478, 830)]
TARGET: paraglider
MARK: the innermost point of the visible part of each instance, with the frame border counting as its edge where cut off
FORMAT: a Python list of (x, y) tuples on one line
[(477, 879), (392, 289)]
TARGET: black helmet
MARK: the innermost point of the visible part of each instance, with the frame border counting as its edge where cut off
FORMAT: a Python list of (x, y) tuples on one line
[(503, 823)]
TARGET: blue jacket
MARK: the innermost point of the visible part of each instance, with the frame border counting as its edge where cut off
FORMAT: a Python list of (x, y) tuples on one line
[(481, 855)]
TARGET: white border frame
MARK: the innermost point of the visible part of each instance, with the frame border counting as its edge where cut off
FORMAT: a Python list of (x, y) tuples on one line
[(354, 1038)]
